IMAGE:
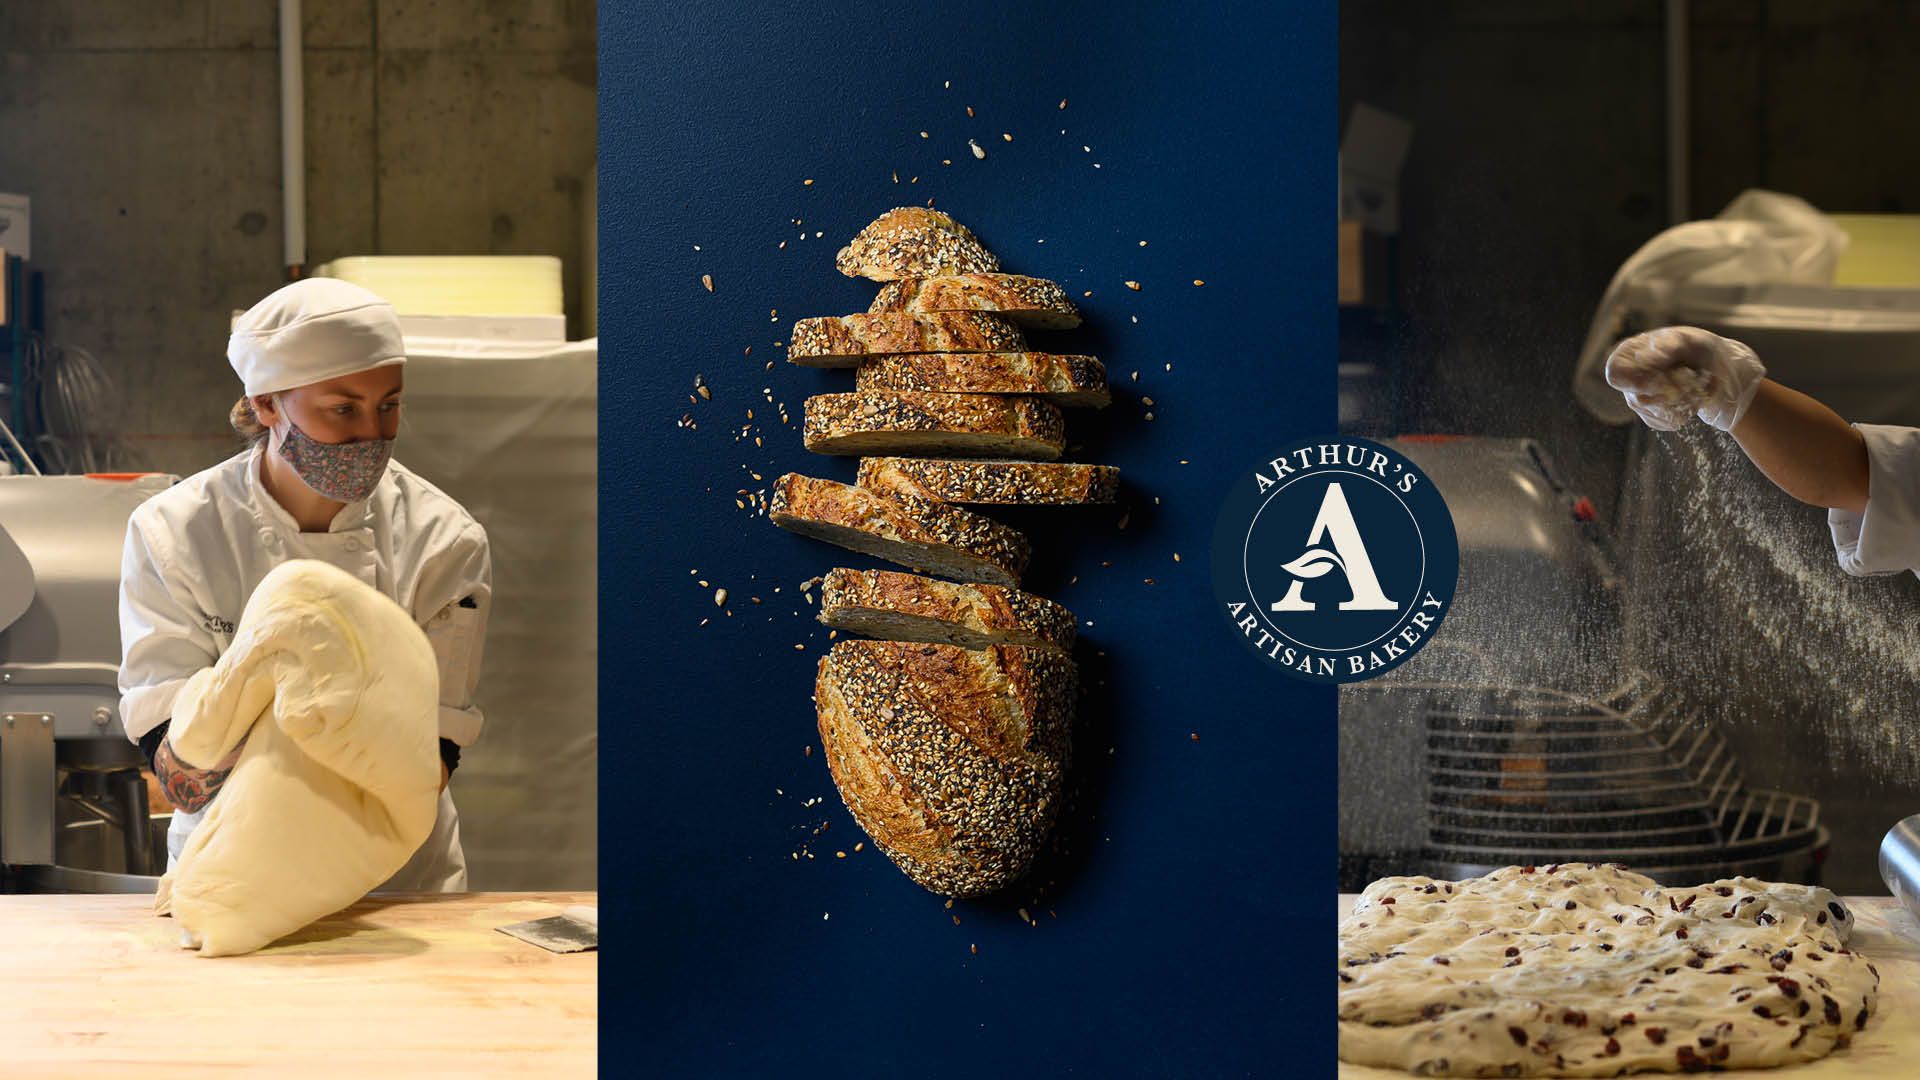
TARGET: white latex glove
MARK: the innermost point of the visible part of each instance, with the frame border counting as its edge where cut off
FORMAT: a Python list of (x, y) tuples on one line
[(1677, 371)]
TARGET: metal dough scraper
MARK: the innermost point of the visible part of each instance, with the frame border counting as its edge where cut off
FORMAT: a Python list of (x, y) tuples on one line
[(575, 929)]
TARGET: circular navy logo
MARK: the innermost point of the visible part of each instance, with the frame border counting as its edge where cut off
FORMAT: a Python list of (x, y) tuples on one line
[(1335, 560)]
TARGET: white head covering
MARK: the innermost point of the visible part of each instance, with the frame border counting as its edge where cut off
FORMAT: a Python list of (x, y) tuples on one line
[(310, 331)]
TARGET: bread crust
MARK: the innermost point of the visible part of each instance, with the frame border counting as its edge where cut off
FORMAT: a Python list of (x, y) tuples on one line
[(846, 340), (914, 241), (951, 759), (918, 533), (887, 603), (881, 421), (1030, 301), (1062, 379), (999, 483)]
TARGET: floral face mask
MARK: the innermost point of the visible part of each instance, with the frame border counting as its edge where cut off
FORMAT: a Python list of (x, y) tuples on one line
[(344, 472)]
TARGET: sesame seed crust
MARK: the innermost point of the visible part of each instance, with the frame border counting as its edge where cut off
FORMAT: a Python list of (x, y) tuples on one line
[(845, 340), (1064, 380), (951, 759), (918, 533), (929, 423), (1030, 301), (1002, 483), (908, 607), (913, 241)]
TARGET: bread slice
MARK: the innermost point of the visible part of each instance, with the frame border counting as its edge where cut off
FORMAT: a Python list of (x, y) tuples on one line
[(845, 340), (920, 534), (1030, 301), (1003, 483), (952, 760), (1064, 380), (908, 607), (913, 241), (982, 425)]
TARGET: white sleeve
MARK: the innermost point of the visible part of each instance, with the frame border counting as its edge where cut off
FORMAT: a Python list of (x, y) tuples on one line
[(1885, 539), (162, 640), (462, 586)]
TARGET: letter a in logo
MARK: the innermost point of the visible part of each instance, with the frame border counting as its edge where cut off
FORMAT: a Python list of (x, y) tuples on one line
[(1335, 522)]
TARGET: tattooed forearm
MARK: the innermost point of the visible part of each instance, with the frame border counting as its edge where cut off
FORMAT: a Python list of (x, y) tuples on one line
[(187, 788)]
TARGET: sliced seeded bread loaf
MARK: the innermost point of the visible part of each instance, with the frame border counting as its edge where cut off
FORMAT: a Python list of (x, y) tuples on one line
[(980, 425), (1065, 380), (1030, 301), (913, 241), (845, 340), (1004, 483), (917, 533), (951, 759), (908, 607)]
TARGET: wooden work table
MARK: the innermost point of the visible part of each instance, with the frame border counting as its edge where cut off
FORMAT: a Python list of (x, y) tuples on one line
[(1889, 1048), (394, 986)]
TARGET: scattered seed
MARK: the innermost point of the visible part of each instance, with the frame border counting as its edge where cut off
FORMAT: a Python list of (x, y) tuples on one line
[(707, 280), (1134, 285), (969, 110), (719, 597), (1063, 103), (1006, 136), (806, 183), (1197, 283), (978, 151)]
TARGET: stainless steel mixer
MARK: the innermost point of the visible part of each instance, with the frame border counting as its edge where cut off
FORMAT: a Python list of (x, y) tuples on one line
[(73, 802), (1517, 776)]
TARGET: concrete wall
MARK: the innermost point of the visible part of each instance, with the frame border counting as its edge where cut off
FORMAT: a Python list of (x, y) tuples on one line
[(1538, 165), (147, 133)]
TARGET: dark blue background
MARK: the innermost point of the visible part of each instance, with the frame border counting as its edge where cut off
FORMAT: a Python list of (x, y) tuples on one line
[(1187, 928)]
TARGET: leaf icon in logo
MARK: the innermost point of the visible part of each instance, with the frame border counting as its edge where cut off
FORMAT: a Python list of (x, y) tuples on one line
[(1315, 562)]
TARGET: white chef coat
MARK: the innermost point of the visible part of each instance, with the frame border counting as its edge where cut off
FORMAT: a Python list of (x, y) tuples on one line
[(1885, 539), (195, 552)]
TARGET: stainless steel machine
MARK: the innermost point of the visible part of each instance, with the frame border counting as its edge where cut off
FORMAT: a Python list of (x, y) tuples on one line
[(1521, 736), (73, 802)]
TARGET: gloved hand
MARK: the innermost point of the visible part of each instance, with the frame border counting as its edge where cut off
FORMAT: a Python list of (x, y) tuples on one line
[(1671, 372)]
